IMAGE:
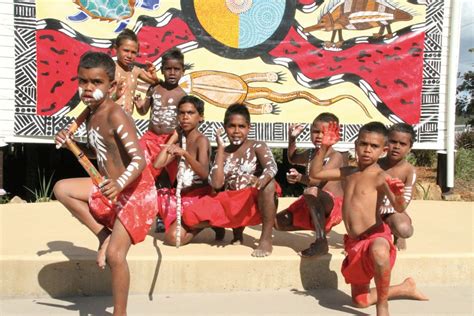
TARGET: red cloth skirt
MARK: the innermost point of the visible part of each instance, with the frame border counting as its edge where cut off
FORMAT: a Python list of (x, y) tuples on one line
[(150, 143), (167, 202), (302, 217), (358, 267), (136, 207)]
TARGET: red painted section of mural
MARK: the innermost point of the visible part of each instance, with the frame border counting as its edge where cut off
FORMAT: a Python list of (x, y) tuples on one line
[(58, 56), (393, 70)]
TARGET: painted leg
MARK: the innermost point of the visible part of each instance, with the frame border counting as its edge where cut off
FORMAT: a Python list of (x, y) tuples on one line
[(117, 259)]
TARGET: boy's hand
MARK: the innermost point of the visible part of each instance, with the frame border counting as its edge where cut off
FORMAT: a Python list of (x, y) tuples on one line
[(175, 150), (395, 185), (61, 138), (151, 70), (295, 129), (259, 182), (330, 134), (110, 189), (219, 138), (293, 176), (121, 86), (138, 101)]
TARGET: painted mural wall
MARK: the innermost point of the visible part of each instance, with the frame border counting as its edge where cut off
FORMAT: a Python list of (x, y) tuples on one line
[(288, 61)]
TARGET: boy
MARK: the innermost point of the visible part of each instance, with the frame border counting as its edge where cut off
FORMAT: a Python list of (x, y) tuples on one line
[(400, 141), (126, 73), (196, 168), (162, 99), (245, 170), (368, 243), (319, 208), (120, 211)]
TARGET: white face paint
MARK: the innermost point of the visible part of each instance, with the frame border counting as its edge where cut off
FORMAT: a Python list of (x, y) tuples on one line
[(237, 142), (80, 91), (97, 95)]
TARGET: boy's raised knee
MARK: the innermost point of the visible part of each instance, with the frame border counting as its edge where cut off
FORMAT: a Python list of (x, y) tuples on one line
[(59, 190), (404, 230), (115, 256)]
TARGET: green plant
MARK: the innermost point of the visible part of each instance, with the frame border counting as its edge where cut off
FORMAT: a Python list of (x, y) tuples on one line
[(278, 155), (44, 191), (424, 158), (426, 191), (464, 164), (4, 199), (465, 140)]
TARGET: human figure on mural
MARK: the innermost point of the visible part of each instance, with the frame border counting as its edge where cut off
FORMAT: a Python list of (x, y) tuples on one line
[(400, 141), (370, 252), (244, 169), (126, 73), (194, 178), (162, 99), (319, 208), (121, 210)]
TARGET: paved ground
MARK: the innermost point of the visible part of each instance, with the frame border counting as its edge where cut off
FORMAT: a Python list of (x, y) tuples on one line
[(443, 301)]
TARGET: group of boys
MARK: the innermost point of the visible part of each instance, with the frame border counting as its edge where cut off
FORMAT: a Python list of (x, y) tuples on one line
[(239, 189)]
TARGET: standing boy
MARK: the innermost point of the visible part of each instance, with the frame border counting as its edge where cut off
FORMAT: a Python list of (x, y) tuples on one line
[(162, 99), (400, 141), (368, 243), (120, 211), (319, 208)]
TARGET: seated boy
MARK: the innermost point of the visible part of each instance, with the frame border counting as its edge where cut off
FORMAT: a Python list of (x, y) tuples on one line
[(368, 243), (195, 172), (319, 208), (400, 140), (120, 211), (244, 170)]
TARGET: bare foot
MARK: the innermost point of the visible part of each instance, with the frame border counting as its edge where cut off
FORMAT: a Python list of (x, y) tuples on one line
[(316, 249), (101, 258), (400, 243), (264, 249), (412, 291)]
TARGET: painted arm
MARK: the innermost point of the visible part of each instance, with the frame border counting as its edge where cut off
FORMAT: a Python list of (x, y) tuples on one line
[(266, 160), (216, 175), (126, 133)]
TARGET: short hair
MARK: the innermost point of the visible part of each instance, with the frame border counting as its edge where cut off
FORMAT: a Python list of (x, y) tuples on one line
[(92, 59), (198, 103), (326, 117), (174, 53), (237, 109), (374, 127), (126, 34), (403, 128)]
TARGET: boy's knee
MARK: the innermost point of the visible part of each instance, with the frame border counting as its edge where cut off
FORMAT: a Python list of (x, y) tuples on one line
[(115, 256), (404, 230), (360, 295), (59, 190), (380, 251), (170, 239)]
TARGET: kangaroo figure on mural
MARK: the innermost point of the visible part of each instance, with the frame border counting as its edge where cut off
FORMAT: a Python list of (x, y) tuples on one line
[(341, 15)]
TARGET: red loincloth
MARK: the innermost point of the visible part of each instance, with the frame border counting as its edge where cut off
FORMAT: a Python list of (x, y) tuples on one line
[(136, 207), (229, 209), (302, 217), (358, 267), (150, 143), (167, 202)]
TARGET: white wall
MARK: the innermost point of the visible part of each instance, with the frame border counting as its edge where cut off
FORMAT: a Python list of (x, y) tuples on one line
[(7, 69)]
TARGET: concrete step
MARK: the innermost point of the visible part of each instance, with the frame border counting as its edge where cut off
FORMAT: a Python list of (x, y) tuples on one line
[(46, 252)]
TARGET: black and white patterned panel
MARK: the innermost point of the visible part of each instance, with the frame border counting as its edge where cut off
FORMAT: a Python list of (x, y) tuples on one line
[(428, 129), (26, 121)]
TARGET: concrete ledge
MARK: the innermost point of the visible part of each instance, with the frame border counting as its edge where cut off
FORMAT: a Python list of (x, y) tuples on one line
[(46, 252)]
